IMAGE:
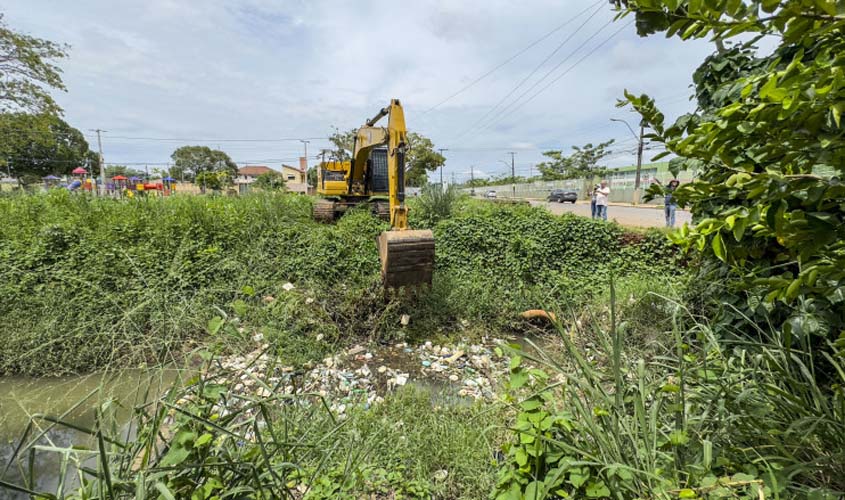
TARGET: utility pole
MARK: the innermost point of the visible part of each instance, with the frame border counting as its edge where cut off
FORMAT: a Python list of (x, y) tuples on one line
[(441, 166), (639, 166), (513, 174), (639, 139), (472, 180), (305, 173), (101, 162), (453, 178)]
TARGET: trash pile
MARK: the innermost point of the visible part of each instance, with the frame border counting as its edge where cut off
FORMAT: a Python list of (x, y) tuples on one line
[(364, 376)]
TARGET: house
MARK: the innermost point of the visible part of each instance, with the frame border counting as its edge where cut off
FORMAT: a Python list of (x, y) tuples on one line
[(294, 177), (248, 174)]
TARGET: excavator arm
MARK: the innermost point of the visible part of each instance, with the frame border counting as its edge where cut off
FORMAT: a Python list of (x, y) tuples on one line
[(407, 256)]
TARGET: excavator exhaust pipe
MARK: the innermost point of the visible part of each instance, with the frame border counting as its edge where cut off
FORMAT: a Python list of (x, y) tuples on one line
[(407, 257)]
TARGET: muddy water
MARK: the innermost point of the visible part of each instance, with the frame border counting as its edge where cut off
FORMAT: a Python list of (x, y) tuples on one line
[(73, 399)]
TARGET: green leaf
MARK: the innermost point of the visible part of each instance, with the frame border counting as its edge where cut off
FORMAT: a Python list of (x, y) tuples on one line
[(718, 247), (214, 325), (518, 379), (579, 477), (203, 440), (739, 228), (535, 491), (521, 457), (530, 404), (597, 490), (240, 307), (175, 456), (164, 491), (687, 493)]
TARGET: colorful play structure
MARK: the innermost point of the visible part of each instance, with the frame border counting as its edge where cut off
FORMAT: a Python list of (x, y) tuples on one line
[(118, 185)]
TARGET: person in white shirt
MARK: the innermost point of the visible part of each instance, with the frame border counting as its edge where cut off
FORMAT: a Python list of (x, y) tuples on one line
[(602, 194)]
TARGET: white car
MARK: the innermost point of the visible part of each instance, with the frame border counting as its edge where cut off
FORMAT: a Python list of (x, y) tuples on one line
[(490, 194)]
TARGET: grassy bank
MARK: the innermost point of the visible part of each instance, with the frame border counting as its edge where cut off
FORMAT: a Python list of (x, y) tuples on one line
[(90, 283)]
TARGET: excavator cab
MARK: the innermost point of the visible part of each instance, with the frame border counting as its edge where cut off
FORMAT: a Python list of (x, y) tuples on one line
[(407, 256)]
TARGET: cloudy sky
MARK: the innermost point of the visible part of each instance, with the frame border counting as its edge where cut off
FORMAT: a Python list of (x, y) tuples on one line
[(480, 78)]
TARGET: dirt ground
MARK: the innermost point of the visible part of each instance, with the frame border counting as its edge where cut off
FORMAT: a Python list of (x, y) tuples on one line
[(644, 216)]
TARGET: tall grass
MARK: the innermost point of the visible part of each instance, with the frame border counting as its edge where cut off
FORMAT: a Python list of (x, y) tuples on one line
[(89, 283), (710, 417)]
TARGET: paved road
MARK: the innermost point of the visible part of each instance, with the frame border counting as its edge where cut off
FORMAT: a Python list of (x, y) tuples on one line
[(624, 215)]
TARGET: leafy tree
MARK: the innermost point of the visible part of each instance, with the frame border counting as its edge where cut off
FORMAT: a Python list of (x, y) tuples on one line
[(769, 145), (344, 143), (270, 181), (26, 73), (33, 146), (311, 176), (190, 161), (215, 181), (420, 157), (582, 163)]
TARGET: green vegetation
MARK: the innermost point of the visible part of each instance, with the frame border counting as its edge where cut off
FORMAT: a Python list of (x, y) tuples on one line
[(92, 282), (34, 146), (771, 230), (270, 181), (582, 163), (207, 167), (29, 72), (707, 418)]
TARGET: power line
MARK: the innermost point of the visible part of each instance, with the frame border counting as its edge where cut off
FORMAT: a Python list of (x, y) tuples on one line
[(579, 61), (485, 75), (516, 102), (534, 71)]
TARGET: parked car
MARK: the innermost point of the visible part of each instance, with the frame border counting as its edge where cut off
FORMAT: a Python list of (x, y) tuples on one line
[(490, 194), (562, 195)]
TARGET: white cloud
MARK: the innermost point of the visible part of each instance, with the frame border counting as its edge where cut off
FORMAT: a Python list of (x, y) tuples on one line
[(270, 69)]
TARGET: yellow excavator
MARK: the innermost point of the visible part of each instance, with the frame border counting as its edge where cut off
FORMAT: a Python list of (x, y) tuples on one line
[(376, 177)]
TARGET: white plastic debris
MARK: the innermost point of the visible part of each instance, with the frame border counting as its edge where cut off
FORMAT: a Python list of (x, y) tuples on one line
[(288, 286)]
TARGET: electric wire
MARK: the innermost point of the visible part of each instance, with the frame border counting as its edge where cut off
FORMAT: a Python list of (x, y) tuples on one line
[(534, 71), (505, 113), (504, 63)]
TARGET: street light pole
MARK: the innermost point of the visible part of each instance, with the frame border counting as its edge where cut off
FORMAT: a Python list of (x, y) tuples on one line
[(513, 175), (441, 166), (639, 139)]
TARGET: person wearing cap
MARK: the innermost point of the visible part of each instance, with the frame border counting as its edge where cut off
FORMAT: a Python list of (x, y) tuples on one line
[(602, 198)]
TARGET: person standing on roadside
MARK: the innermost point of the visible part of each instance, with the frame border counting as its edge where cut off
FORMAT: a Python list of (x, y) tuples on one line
[(670, 206), (593, 202), (602, 198)]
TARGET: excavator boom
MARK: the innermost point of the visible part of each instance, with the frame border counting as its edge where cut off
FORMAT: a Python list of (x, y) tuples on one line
[(407, 256)]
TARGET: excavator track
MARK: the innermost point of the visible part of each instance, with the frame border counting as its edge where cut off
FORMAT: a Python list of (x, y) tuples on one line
[(324, 210), (381, 209), (407, 257)]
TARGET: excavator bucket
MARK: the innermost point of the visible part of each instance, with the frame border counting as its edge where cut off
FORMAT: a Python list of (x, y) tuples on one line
[(407, 257)]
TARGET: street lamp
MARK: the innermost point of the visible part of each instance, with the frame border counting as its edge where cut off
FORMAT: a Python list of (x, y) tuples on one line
[(441, 166), (639, 140)]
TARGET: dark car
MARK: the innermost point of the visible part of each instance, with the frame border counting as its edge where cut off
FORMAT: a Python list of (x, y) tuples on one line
[(562, 195)]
